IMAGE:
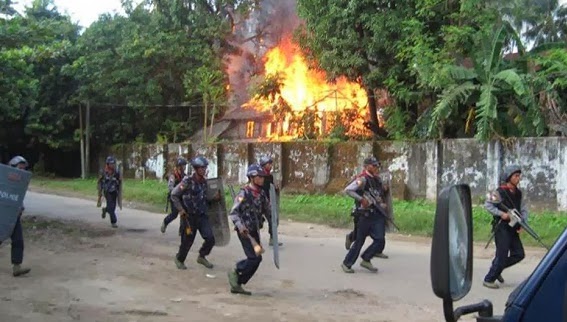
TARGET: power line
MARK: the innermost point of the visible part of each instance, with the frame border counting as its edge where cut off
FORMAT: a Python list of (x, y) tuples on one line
[(152, 106)]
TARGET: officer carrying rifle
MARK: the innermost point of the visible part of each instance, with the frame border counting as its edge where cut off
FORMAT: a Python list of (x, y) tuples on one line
[(370, 216), (510, 216)]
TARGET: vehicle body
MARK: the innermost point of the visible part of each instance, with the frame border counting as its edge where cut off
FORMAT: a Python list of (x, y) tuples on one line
[(541, 297)]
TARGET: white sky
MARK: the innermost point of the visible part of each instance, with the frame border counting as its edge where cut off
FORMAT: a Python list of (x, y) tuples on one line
[(86, 12)]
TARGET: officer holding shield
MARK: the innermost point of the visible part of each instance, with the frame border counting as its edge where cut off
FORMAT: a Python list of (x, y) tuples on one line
[(17, 236), (249, 206), (266, 163), (110, 185), (190, 198)]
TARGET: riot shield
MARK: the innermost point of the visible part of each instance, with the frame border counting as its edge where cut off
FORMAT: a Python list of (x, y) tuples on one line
[(275, 221), (278, 204), (13, 187), (217, 212), (119, 196), (386, 180)]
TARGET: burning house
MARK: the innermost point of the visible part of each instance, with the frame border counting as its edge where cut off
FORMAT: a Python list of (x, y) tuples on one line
[(289, 100)]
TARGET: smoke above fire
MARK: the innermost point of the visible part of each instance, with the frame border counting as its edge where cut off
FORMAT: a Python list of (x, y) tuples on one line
[(263, 30), (303, 103)]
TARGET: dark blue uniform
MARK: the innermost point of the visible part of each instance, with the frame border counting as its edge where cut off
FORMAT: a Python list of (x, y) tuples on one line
[(370, 221), (190, 197), (509, 248), (109, 184), (174, 179), (250, 205), (17, 237)]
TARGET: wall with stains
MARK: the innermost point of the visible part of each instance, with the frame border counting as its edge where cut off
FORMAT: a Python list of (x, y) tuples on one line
[(234, 160), (419, 169), (346, 162), (305, 167)]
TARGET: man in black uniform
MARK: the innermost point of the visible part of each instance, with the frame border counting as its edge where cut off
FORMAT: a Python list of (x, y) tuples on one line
[(17, 236), (367, 191), (174, 179), (351, 237), (267, 163), (250, 205), (507, 238), (109, 185), (190, 199)]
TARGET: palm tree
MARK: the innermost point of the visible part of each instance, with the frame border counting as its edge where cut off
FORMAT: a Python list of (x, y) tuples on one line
[(547, 22), (538, 21), (496, 95)]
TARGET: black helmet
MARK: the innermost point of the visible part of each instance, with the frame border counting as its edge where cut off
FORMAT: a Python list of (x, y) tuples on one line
[(509, 171), (181, 162), (265, 160), (199, 162), (17, 160), (110, 160), (371, 161), (255, 170)]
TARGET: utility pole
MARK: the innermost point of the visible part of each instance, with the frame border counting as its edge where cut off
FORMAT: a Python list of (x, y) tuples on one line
[(83, 175), (88, 139)]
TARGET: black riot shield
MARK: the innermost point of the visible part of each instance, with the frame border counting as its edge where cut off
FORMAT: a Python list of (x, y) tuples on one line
[(13, 187), (275, 221), (217, 212), (119, 196)]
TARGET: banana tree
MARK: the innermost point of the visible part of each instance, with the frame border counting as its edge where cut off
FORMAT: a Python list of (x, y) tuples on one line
[(494, 96)]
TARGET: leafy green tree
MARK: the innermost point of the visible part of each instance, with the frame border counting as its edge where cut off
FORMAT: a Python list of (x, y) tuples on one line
[(35, 49), (494, 96)]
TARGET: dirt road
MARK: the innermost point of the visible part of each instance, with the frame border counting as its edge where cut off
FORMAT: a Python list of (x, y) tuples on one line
[(82, 269)]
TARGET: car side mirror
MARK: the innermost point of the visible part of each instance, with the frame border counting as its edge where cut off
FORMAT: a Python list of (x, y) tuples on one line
[(451, 249), (452, 252)]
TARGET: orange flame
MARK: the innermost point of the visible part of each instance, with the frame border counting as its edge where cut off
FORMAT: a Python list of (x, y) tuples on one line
[(308, 95)]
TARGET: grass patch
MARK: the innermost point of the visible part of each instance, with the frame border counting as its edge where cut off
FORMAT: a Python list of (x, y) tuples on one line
[(413, 217)]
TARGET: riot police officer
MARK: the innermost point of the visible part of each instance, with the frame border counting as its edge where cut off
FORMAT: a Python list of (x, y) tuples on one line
[(190, 199), (249, 206), (367, 191), (174, 179), (351, 236), (266, 163), (109, 185), (17, 236), (509, 248)]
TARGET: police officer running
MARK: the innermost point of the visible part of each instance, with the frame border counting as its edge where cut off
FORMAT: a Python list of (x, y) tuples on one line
[(351, 236), (174, 179), (190, 199), (109, 184), (507, 238), (367, 191), (17, 236), (266, 163), (249, 206)]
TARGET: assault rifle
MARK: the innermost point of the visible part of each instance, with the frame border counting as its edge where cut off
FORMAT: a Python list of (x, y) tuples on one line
[(515, 218), (375, 202)]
